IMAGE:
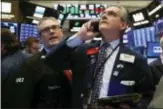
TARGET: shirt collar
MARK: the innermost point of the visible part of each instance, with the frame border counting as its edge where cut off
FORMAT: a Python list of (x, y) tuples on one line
[(48, 49), (112, 43)]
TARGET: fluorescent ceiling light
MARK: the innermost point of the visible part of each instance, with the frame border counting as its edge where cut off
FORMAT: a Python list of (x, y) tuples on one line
[(5, 7)]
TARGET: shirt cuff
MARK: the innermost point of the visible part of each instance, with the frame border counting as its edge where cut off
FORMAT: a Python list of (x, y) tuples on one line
[(74, 41)]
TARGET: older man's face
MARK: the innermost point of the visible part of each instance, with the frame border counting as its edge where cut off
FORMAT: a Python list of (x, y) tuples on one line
[(111, 21), (50, 32)]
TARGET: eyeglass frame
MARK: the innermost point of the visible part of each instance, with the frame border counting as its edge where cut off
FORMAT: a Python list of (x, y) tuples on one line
[(47, 29)]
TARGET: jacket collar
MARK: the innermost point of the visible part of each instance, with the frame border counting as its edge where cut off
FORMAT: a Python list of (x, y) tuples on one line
[(112, 43)]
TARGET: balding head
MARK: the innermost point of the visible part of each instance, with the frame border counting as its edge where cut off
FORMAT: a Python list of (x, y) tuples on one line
[(113, 22)]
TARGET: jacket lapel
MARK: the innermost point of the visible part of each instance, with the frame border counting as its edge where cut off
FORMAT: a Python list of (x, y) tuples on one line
[(42, 54), (43, 51), (115, 88), (92, 56), (159, 62), (92, 53), (117, 85), (118, 63)]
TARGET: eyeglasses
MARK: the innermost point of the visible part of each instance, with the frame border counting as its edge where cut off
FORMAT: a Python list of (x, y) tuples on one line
[(53, 27)]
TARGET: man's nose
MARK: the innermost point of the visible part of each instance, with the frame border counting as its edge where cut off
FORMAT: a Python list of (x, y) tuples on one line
[(104, 17)]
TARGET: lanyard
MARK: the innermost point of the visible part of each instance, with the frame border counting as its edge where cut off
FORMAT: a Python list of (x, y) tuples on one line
[(99, 68), (95, 75)]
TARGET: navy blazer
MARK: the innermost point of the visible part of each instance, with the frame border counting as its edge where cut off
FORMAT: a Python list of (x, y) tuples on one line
[(138, 71), (36, 85), (132, 77)]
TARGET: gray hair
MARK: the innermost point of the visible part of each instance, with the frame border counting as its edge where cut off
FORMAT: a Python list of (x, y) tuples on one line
[(44, 19), (124, 13)]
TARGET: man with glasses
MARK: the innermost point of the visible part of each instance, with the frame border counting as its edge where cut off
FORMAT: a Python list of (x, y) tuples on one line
[(108, 68), (50, 32), (37, 85)]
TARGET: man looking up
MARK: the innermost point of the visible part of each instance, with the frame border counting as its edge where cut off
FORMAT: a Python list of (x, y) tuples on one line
[(113, 70)]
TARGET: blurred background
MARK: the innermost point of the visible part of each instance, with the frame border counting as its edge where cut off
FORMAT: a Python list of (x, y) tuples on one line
[(142, 35)]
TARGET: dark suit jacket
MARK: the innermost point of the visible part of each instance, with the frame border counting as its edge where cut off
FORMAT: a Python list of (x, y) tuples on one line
[(36, 85), (83, 65), (11, 64), (157, 70)]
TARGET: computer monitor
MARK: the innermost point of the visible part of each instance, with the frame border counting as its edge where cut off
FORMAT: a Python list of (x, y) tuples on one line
[(28, 30), (39, 12), (5, 7), (81, 11), (140, 18), (153, 50), (155, 10), (34, 12), (143, 36), (158, 26), (12, 26), (27, 8), (150, 60)]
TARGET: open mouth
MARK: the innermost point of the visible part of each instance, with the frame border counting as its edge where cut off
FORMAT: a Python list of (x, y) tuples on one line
[(52, 38), (103, 22)]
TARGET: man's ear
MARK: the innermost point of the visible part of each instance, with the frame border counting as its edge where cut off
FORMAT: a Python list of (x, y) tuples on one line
[(123, 25)]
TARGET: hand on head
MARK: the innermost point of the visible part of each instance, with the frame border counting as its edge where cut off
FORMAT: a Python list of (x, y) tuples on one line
[(86, 32)]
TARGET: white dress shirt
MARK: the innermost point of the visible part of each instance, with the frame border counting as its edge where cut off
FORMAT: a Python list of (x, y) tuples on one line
[(48, 50), (108, 67)]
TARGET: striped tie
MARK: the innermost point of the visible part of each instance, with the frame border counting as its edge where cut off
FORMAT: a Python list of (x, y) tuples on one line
[(99, 72)]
